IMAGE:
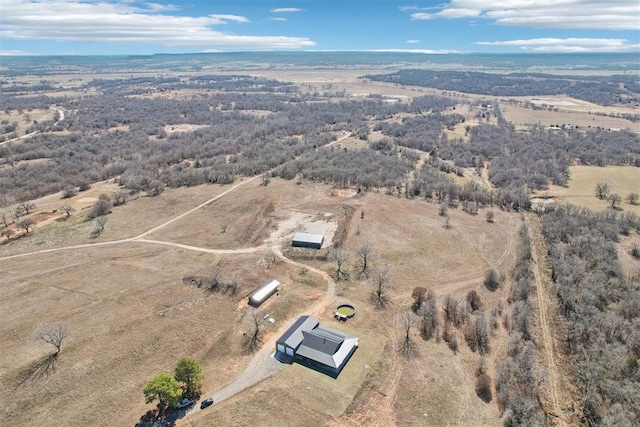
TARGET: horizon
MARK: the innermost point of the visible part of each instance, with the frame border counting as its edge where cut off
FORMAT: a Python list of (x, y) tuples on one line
[(134, 27)]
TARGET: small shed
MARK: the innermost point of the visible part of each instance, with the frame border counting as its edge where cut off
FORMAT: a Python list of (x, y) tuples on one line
[(307, 240), (263, 293)]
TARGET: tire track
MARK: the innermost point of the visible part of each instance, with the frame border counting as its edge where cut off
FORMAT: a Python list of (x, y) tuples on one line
[(547, 338)]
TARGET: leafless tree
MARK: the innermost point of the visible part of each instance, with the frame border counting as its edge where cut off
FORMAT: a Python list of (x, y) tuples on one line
[(53, 333), (381, 281), (223, 227), (430, 325), (602, 190), (455, 310), (492, 279), (615, 199), (27, 207), (98, 226), (633, 198), (365, 253), (26, 224), (447, 222), (119, 197), (7, 232), (340, 257), (407, 320), (255, 331), (419, 296), (5, 217), (67, 209)]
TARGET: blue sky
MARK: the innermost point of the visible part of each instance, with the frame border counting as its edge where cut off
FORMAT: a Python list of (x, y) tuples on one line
[(108, 27)]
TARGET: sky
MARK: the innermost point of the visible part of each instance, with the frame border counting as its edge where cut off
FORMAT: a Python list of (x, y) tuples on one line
[(114, 27)]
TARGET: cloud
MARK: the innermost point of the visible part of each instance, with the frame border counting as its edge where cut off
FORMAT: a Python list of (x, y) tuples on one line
[(569, 14), (157, 7), (568, 45), (285, 10), (116, 22), (427, 51), (277, 18), (15, 53), (412, 41)]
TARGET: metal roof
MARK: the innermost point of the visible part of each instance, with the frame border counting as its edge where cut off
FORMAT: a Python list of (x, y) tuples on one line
[(308, 238), (293, 337), (312, 341), (264, 292)]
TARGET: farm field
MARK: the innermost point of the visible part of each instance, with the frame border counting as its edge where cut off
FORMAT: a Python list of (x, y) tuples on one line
[(582, 184), (131, 314)]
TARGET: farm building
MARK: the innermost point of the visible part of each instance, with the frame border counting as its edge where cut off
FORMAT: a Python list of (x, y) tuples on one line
[(261, 294), (317, 347), (307, 240)]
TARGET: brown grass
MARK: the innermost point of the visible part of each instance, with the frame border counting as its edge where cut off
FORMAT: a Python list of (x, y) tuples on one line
[(581, 188), (132, 316)]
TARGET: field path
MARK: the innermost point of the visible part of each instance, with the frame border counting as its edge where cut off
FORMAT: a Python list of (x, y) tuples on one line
[(556, 395)]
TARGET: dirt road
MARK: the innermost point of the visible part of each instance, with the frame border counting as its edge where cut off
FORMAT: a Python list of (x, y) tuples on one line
[(554, 390)]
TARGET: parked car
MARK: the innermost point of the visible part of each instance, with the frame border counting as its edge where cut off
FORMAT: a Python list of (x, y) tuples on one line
[(207, 402), (184, 403)]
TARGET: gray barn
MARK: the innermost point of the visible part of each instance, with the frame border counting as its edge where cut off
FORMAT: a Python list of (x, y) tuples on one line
[(307, 240)]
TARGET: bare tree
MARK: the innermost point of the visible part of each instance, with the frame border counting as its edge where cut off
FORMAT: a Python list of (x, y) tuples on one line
[(98, 226), (67, 209), (7, 232), (602, 190), (100, 208), (365, 252), (430, 325), (155, 188), (615, 199), (381, 281), (223, 227), (27, 207), (253, 336), (119, 197), (340, 257), (53, 333), (68, 192), (407, 320), (419, 296), (492, 279), (26, 224), (442, 208), (633, 198), (5, 218)]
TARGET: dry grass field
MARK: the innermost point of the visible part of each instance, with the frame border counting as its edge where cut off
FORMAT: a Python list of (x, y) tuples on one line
[(132, 316), (577, 112), (581, 189), (24, 119)]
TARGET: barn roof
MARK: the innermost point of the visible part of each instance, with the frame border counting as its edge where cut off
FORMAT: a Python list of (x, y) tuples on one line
[(308, 238)]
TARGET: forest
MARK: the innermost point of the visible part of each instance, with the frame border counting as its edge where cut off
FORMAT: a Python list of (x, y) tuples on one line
[(617, 89)]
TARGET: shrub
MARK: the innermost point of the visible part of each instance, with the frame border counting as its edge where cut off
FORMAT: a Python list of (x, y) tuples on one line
[(483, 387)]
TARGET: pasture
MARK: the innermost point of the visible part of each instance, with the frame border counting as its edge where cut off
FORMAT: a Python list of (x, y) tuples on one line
[(582, 184), (132, 314)]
